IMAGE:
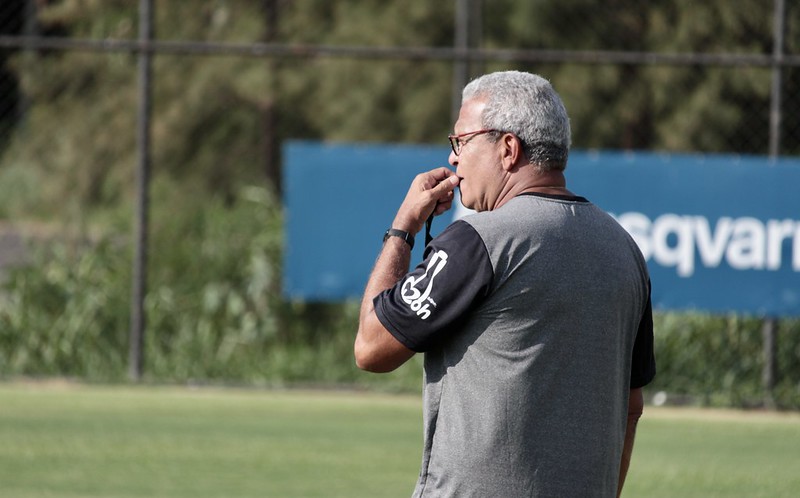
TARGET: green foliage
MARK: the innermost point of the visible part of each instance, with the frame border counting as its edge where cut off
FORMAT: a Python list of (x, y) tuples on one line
[(214, 307), (213, 273), (718, 361), (214, 118), (82, 153), (62, 315), (217, 118), (209, 274), (672, 108)]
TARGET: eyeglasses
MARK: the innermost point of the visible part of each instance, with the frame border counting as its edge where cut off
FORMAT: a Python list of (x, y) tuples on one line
[(456, 141)]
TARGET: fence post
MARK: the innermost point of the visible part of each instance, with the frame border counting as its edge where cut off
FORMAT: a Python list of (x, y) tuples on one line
[(769, 373), (467, 36), (769, 328), (141, 221), (269, 107)]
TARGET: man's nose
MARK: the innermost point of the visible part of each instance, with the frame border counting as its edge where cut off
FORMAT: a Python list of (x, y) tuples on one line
[(452, 159)]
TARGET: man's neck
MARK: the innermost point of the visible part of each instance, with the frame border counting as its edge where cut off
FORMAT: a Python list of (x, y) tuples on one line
[(542, 182)]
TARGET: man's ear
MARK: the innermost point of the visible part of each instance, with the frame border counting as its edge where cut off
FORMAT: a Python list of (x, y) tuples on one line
[(511, 151)]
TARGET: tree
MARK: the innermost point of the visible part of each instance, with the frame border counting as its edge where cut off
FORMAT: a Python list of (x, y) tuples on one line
[(650, 107)]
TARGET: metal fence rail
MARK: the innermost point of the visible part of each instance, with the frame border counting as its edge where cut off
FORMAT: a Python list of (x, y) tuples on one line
[(454, 54)]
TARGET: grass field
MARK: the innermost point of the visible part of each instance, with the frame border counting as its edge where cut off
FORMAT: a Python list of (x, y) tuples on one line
[(61, 440)]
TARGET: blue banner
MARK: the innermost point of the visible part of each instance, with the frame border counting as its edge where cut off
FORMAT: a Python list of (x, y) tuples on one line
[(721, 233)]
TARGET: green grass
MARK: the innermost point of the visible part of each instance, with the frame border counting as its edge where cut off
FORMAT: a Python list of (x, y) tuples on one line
[(77, 441), (691, 453), (64, 440)]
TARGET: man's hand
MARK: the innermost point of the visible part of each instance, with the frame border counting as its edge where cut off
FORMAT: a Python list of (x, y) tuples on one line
[(430, 192)]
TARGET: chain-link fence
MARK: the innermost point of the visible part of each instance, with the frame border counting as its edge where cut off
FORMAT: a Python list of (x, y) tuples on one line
[(677, 76), (226, 81)]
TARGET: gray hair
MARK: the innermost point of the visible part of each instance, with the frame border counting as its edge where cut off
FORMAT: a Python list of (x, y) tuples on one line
[(526, 105)]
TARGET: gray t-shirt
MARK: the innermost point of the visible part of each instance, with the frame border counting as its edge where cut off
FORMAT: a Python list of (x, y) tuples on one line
[(535, 320)]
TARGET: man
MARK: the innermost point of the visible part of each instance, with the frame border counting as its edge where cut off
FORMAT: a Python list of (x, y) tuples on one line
[(533, 313)]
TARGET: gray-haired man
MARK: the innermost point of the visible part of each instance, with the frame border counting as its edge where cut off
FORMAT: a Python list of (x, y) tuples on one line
[(534, 313)]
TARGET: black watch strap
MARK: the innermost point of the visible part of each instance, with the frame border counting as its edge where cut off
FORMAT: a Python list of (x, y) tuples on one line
[(393, 232)]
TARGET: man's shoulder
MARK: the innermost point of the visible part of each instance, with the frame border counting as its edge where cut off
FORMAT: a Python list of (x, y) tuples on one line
[(459, 231)]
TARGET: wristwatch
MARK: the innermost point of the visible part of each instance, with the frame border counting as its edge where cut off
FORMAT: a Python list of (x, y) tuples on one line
[(393, 232)]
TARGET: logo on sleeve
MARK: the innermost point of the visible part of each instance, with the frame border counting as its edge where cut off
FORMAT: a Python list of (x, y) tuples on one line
[(419, 300)]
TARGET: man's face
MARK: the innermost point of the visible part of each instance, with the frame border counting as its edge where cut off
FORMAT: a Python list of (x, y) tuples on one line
[(477, 164)]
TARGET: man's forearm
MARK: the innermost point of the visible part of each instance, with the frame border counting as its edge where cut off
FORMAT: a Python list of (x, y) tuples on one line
[(375, 349), (390, 267)]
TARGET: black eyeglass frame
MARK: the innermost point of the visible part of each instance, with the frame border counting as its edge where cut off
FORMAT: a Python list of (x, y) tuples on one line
[(456, 143)]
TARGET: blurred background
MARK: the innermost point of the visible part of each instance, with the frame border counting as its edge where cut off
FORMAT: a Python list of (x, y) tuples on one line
[(141, 219)]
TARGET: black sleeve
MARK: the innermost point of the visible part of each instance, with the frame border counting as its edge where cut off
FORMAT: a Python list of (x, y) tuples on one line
[(643, 366), (455, 273)]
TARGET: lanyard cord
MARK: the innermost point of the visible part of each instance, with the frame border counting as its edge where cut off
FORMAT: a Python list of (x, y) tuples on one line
[(428, 236)]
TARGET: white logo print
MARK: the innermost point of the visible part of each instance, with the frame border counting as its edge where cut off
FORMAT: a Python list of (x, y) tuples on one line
[(419, 301)]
